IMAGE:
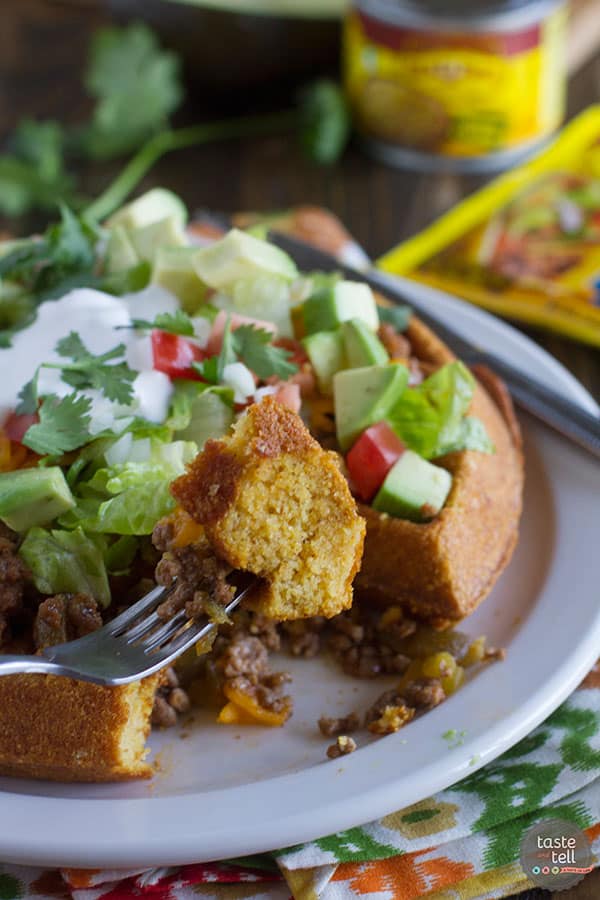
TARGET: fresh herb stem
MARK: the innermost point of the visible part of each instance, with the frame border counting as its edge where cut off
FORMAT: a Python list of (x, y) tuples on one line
[(178, 139)]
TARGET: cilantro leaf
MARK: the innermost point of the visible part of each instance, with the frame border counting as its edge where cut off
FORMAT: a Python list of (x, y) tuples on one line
[(254, 348), (72, 346), (28, 397), (398, 316), (137, 86), (63, 426), (175, 323), (115, 382), (90, 371)]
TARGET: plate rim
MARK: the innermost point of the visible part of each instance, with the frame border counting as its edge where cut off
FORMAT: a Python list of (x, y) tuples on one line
[(133, 841)]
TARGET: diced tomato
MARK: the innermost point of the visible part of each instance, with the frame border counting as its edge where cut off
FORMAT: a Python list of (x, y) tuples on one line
[(174, 355), (218, 328), (16, 425), (289, 395), (299, 355), (371, 458)]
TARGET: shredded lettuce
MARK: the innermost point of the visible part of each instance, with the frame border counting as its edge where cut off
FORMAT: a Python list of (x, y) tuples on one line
[(134, 511), (129, 498), (430, 418), (66, 561)]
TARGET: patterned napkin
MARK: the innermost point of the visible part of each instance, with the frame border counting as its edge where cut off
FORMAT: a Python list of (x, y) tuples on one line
[(461, 844)]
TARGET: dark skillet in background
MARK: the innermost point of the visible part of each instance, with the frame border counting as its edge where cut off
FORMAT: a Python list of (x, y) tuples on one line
[(227, 52)]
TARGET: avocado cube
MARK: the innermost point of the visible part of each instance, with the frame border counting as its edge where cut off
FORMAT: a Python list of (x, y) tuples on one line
[(327, 354), (363, 347), (365, 396), (31, 497), (413, 489), (238, 256), (328, 308)]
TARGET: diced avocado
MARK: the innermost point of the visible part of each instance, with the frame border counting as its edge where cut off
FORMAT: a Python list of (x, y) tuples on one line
[(365, 396), (31, 497), (363, 347), (151, 207), (120, 252), (326, 309), (413, 489), (210, 418), (239, 255), (148, 240), (327, 354), (173, 269)]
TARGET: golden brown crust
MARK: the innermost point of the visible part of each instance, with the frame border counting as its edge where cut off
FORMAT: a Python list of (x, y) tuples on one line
[(443, 569), (209, 486), (65, 730), (215, 466)]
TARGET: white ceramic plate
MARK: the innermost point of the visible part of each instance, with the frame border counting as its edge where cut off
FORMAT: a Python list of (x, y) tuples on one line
[(224, 792)]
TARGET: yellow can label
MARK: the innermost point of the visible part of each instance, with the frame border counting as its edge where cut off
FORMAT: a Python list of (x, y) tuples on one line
[(455, 94)]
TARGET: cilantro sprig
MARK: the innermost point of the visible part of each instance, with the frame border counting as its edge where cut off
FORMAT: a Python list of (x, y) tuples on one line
[(253, 346), (90, 371), (64, 422), (136, 86), (46, 267), (63, 425), (40, 265)]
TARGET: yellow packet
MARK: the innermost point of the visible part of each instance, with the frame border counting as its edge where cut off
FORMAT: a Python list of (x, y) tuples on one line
[(527, 245)]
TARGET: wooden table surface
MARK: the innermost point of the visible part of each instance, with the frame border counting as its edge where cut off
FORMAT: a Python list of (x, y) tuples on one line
[(42, 48)]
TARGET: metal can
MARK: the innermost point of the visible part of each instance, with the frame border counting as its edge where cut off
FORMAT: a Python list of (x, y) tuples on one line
[(467, 86)]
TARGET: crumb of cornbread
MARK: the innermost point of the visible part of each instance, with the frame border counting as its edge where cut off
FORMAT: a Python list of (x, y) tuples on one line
[(274, 503)]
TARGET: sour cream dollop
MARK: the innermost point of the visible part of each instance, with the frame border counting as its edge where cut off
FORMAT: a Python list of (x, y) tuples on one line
[(98, 319)]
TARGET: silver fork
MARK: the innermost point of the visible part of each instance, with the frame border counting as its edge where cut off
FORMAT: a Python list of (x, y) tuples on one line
[(131, 646)]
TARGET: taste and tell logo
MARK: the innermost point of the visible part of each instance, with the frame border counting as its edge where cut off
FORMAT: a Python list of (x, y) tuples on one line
[(556, 854)]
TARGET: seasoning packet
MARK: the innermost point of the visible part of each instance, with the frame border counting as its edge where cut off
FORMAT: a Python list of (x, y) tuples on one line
[(526, 246)]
